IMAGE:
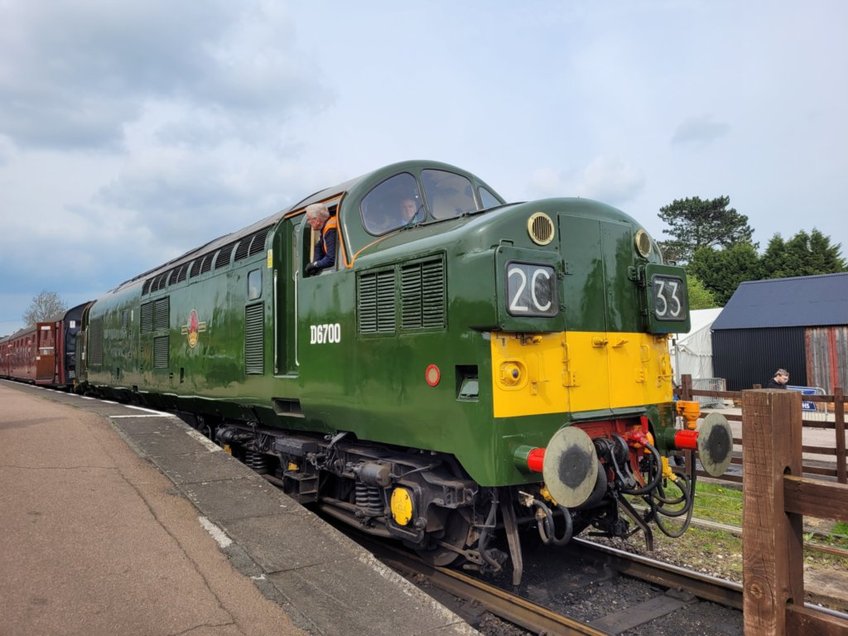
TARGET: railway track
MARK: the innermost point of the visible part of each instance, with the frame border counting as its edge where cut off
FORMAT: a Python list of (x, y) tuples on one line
[(502, 603), (674, 600), (552, 618), (702, 586)]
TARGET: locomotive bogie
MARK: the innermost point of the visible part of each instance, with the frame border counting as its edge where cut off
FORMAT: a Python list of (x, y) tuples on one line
[(389, 492)]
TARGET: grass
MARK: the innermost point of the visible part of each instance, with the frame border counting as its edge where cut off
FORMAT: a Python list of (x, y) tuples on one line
[(840, 528), (720, 552), (722, 504), (714, 502)]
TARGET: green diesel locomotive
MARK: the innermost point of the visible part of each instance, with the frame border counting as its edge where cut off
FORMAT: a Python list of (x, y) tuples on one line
[(466, 369)]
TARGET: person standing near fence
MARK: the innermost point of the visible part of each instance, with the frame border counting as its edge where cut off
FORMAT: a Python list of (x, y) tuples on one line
[(780, 380)]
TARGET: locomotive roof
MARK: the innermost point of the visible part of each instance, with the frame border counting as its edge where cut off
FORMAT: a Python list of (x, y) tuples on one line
[(210, 246), (375, 176), (366, 180)]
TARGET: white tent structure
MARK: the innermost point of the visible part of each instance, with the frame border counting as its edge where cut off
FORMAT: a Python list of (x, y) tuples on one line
[(692, 352)]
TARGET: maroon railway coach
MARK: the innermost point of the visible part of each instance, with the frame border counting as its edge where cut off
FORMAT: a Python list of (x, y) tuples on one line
[(44, 354)]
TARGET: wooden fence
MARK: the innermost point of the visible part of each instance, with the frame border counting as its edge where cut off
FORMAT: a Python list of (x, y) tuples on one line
[(776, 498), (831, 403)]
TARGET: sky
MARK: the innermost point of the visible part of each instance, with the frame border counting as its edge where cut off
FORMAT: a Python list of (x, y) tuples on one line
[(133, 131)]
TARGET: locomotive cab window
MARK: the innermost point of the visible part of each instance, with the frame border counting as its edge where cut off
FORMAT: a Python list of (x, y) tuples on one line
[(487, 199), (393, 204), (450, 195)]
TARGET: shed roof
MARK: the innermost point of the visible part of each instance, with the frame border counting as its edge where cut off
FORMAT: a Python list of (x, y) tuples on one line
[(802, 301)]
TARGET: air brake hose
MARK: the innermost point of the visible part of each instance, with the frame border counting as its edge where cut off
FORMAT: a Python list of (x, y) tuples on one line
[(689, 507), (650, 486), (547, 527)]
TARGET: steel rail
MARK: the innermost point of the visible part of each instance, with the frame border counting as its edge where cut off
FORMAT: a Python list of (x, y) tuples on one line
[(703, 586), (501, 603)]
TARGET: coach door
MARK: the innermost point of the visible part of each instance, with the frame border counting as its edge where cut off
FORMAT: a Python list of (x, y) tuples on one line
[(45, 356)]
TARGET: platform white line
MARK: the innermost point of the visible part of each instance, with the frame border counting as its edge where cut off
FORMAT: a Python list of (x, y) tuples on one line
[(123, 417), (215, 532), (141, 408), (211, 446)]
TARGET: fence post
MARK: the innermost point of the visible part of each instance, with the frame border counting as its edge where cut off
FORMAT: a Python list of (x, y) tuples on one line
[(839, 417), (686, 387), (772, 540)]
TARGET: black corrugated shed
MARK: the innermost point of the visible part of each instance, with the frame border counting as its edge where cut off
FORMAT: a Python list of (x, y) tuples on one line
[(745, 357), (774, 323)]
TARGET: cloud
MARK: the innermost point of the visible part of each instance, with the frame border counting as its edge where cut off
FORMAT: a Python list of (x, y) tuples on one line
[(130, 133), (699, 130), (73, 75), (609, 179), (7, 149)]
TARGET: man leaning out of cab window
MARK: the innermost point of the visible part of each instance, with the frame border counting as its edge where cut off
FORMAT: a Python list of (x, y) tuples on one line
[(319, 219)]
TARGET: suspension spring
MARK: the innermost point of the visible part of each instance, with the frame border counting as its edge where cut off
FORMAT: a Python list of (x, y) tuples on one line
[(257, 461), (369, 499)]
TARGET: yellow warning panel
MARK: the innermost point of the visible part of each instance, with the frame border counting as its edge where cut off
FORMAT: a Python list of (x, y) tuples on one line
[(534, 374)]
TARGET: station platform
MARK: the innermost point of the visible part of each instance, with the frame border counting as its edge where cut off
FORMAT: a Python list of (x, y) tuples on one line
[(121, 520)]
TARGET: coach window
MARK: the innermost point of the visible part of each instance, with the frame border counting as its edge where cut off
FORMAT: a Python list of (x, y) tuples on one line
[(382, 209), (254, 284)]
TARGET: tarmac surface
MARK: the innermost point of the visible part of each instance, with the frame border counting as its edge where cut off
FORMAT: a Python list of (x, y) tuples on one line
[(121, 520)]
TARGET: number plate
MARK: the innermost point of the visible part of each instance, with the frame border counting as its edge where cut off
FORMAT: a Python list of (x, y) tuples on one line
[(531, 290), (669, 298), (666, 299)]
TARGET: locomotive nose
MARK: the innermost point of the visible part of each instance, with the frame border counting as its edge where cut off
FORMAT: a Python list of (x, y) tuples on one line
[(570, 466)]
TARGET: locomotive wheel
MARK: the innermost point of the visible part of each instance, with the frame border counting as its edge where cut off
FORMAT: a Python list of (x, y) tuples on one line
[(456, 535)]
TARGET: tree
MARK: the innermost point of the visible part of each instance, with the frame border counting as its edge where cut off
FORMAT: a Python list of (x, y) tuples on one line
[(802, 255), (699, 296), (672, 252), (44, 307), (695, 223), (721, 271)]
